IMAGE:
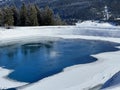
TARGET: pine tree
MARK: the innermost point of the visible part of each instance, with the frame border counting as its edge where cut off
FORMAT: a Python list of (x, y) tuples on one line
[(33, 16), (39, 15), (28, 22), (8, 17), (48, 16), (1, 17), (58, 20), (23, 15), (16, 15)]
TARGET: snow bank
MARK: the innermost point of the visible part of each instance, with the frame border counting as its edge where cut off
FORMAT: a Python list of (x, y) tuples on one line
[(94, 24), (23, 34), (6, 82)]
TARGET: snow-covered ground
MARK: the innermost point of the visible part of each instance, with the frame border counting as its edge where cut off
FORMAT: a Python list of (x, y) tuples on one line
[(7, 83), (81, 77), (94, 24)]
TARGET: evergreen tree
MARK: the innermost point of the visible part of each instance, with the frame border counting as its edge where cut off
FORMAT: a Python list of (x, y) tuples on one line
[(48, 16), (23, 15), (58, 20), (8, 17), (39, 15), (28, 22), (16, 15), (1, 17), (33, 16)]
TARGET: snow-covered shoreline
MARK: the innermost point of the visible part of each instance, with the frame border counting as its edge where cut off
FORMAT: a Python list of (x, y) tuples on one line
[(23, 34), (80, 77), (83, 77), (7, 83)]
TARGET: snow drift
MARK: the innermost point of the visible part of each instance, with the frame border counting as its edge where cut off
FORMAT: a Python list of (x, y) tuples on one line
[(94, 24)]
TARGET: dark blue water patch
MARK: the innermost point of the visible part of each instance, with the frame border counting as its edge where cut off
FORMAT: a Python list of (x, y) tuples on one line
[(115, 80), (10, 89), (34, 61)]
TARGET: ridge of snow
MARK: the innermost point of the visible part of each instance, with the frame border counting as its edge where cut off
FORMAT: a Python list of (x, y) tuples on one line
[(94, 24)]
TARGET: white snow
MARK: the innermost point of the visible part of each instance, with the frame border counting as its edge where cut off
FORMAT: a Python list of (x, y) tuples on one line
[(20, 34), (6, 82), (94, 24), (80, 77)]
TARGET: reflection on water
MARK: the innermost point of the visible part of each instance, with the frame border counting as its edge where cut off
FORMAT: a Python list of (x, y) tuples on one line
[(34, 61)]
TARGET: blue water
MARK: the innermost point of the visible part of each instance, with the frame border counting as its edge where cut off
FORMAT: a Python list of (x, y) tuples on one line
[(34, 61)]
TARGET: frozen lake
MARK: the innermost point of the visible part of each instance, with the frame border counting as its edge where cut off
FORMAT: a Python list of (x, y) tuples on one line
[(70, 57), (32, 62)]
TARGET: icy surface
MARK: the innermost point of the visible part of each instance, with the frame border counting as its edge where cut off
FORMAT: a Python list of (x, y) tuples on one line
[(80, 77)]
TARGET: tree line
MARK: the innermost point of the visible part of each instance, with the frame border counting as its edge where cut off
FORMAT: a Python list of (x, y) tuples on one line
[(28, 15)]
